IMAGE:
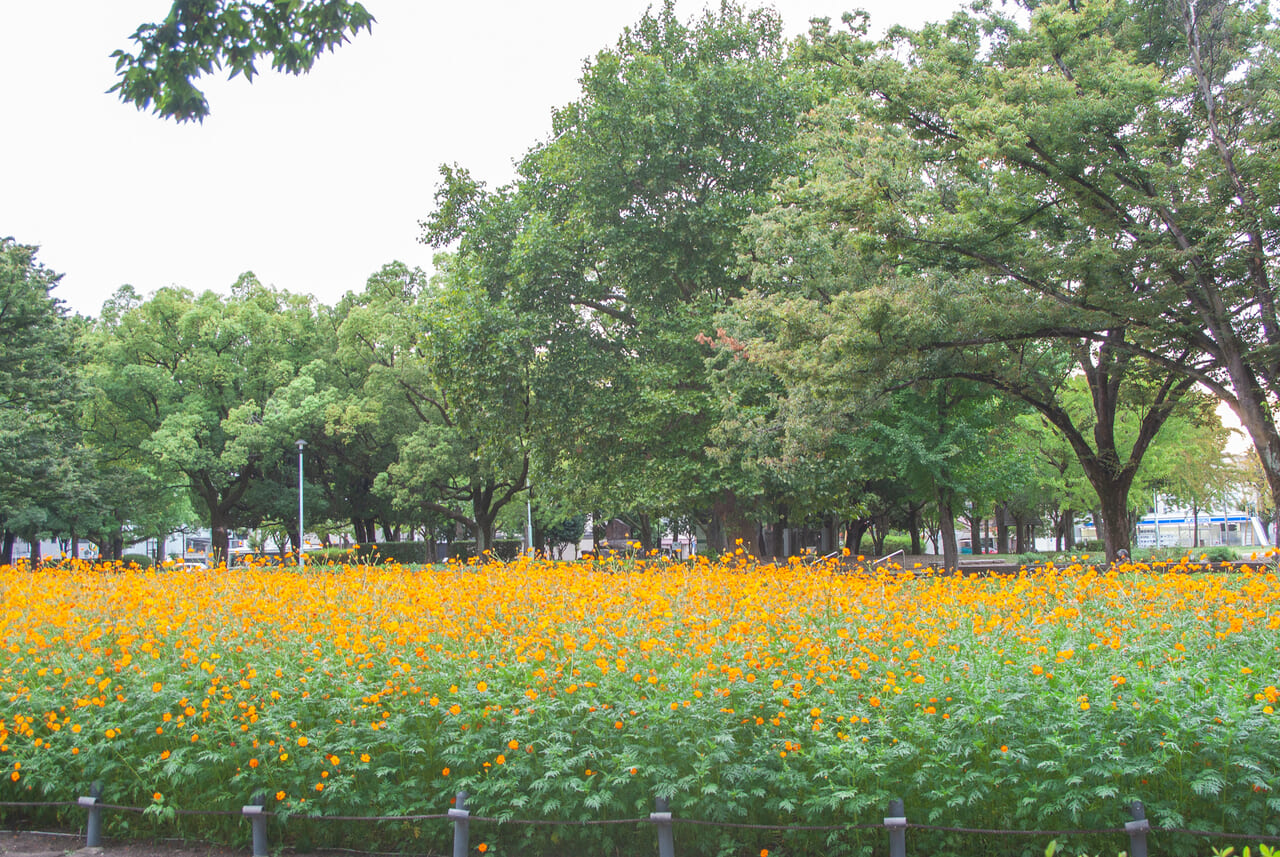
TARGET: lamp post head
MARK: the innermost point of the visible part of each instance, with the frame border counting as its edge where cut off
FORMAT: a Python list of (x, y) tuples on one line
[(300, 444)]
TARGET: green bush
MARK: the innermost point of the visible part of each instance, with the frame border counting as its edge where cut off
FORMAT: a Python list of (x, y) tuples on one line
[(1092, 546), (139, 559), (406, 553), (1217, 553), (504, 549), (895, 543)]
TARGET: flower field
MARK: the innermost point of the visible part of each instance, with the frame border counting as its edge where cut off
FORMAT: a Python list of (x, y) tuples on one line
[(757, 695)]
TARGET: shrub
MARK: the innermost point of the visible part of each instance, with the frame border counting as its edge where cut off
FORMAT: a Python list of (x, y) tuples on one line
[(141, 560), (504, 549), (406, 553), (895, 543), (1218, 553)]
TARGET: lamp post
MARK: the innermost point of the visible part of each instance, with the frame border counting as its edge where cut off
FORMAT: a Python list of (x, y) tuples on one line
[(301, 445), (529, 521)]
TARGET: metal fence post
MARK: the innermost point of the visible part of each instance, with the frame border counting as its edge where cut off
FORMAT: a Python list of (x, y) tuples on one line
[(461, 826), (256, 813), (896, 822), (1137, 829), (662, 818), (93, 827)]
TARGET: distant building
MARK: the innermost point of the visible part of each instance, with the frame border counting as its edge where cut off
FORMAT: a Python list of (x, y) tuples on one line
[(1173, 527)]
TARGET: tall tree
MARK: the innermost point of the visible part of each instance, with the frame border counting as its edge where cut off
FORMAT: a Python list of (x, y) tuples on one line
[(457, 370), (191, 375), (39, 397), (1104, 157), (621, 232)]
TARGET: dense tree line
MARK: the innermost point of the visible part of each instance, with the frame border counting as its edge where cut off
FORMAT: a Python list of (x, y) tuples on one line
[(772, 290)]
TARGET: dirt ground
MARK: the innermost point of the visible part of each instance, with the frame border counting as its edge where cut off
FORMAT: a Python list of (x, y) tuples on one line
[(22, 844)]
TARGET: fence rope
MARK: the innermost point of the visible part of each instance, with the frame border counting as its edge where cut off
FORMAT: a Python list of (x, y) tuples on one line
[(983, 831), (1213, 834), (693, 822)]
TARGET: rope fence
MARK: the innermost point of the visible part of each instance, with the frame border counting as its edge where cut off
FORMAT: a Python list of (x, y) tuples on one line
[(895, 824)]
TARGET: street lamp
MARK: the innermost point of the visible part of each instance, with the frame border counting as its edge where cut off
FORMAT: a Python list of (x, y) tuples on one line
[(529, 527), (301, 445)]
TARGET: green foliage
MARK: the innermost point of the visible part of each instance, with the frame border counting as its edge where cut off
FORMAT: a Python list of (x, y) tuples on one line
[(506, 550), (47, 483), (1217, 553), (141, 560), (209, 391), (198, 36), (892, 544), (405, 553)]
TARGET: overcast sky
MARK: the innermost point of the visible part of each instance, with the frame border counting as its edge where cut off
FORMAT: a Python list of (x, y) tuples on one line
[(313, 182)]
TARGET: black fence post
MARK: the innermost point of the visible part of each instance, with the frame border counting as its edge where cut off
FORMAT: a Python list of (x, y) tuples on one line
[(461, 825), (661, 816), (93, 827), (1137, 829), (256, 813), (896, 823)]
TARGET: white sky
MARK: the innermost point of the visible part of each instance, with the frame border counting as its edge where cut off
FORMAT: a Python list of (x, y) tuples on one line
[(314, 182)]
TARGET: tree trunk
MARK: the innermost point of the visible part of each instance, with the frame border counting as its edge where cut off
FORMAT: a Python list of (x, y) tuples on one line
[(1019, 534), (947, 527), (913, 527), (827, 541), (6, 551), (482, 532), (1069, 530), (1002, 529), (35, 550), (645, 526), (219, 538), (598, 524), (737, 530), (1195, 525), (853, 535), (715, 531), (1115, 521)]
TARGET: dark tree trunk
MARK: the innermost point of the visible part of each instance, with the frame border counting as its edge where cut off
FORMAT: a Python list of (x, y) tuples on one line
[(853, 535), (827, 542), (947, 528), (1069, 530), (715, 531), (1002, 529), (645, 526), (6, 551), (1019, 534), (219, 538), (1115, 521), (738, 530)]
